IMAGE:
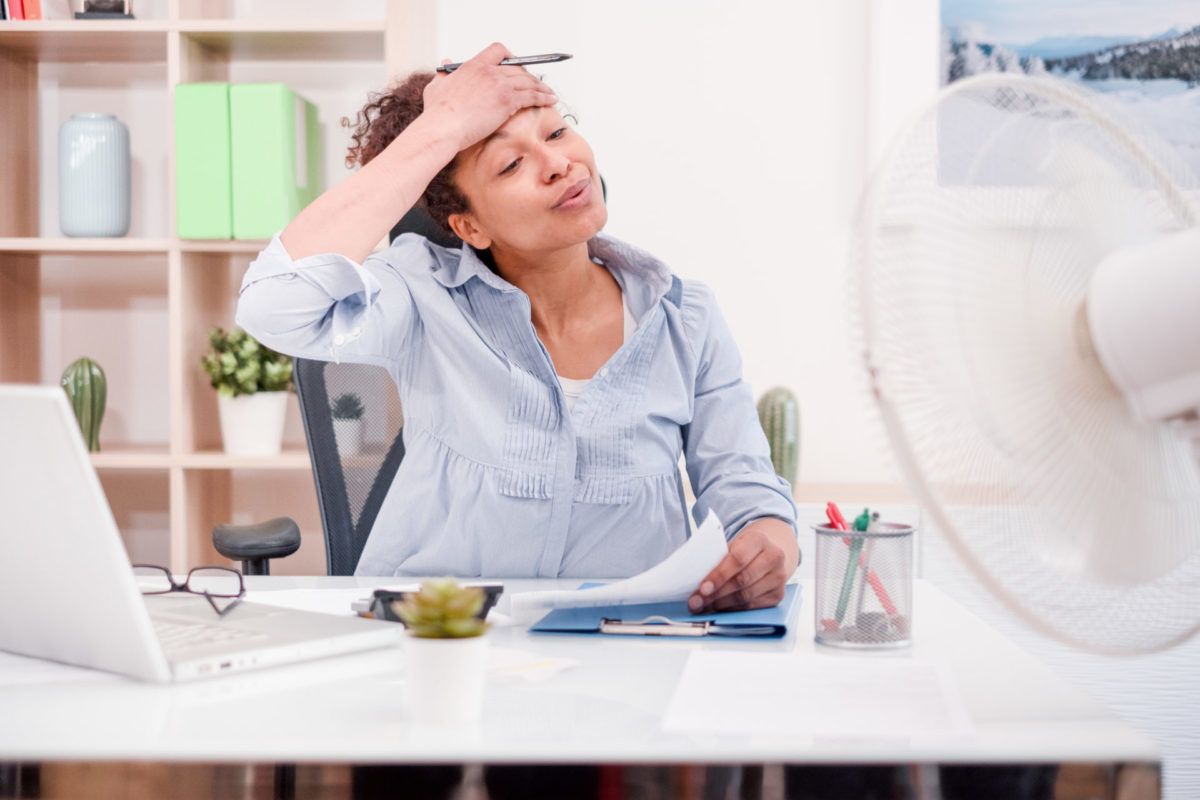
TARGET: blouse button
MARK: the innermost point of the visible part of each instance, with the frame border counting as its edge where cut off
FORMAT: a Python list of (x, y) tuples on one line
[(603, 371)]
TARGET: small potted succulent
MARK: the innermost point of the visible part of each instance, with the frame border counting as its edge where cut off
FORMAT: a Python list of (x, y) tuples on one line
[(252, 383), (445, 652), (347, 412)]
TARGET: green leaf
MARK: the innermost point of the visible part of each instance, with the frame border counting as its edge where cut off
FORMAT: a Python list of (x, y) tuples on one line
[(237, 364)]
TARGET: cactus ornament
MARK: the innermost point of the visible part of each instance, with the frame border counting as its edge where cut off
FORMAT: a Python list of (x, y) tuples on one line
[(85, 384), (779, 415)]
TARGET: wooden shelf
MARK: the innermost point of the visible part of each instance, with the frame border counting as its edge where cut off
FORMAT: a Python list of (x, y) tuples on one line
[(132, 457), (80, 41), (287, 460), (301, 40), (252, 246), (55, 245), (160, 294), (83, 246)]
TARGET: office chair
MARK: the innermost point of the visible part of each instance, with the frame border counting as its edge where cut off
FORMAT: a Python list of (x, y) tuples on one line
[(350, 486)]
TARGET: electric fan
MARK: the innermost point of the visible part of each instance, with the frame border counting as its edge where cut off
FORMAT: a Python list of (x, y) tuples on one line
[(1026, 279)]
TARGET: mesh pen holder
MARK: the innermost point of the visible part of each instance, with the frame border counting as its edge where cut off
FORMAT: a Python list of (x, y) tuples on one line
[(864, 586)]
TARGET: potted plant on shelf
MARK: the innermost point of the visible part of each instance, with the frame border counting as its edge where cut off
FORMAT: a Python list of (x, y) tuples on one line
[(445, 652), (347, 413), (252, 382)]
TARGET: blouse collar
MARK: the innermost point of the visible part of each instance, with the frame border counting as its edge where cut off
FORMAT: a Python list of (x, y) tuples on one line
[(643, 278)]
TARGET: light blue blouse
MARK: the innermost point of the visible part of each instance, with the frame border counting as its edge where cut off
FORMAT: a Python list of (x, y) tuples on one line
[(499, 478)]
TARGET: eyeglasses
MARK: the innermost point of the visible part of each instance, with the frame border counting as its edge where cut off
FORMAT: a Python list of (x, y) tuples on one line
[(213, 583)]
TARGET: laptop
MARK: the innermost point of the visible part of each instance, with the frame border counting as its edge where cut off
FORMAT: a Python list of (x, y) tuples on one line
[(68, 593)]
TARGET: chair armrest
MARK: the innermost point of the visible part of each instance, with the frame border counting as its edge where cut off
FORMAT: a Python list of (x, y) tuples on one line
[(274, 538)]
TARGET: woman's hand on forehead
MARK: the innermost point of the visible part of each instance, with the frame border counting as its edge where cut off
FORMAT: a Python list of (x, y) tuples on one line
[(478, 97)]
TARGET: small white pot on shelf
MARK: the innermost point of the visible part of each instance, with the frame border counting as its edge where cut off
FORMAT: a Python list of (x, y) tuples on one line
[(252, 424), (443, 683), (349, 436)]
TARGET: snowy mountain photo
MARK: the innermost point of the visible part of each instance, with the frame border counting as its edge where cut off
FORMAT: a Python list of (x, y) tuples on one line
[(1144, 56)]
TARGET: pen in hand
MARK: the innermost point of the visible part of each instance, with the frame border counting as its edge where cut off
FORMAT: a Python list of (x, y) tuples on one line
[(515, 61)]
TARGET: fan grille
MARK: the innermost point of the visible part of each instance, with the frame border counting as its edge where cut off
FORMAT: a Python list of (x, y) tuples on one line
[(976, 245)]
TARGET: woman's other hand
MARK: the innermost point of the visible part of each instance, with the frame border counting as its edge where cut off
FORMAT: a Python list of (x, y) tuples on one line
[(480, 96), (754, 573)]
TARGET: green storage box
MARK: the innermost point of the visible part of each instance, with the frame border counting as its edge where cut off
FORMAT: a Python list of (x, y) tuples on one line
[(276, 157), (203, 191)]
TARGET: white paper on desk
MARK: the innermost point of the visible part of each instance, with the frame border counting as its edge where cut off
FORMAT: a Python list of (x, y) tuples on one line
[(821, 697), (325, 601), (674, 578), (520, 666)]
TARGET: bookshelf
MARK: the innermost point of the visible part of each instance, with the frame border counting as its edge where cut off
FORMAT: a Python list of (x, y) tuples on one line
[(141, 305)]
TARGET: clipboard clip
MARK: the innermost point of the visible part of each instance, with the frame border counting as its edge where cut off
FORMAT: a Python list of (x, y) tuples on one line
[(655, 625)]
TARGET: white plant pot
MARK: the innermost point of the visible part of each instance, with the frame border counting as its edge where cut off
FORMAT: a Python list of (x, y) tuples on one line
[(252, 424), (444, 679), (349, 436)]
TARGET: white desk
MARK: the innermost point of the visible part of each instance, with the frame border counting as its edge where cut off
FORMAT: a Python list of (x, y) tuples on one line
[(607, 709)]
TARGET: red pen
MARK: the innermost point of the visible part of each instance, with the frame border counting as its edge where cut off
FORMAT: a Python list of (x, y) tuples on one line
[(835, 517)]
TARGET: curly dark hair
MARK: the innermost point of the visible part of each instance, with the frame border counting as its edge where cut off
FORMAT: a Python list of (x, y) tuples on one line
[(381, 120)]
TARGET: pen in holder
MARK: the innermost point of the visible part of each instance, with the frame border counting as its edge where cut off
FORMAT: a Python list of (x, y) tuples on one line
[(864, 585)]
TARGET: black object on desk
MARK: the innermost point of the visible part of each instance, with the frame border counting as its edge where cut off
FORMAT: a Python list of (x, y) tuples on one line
[(380, 606)]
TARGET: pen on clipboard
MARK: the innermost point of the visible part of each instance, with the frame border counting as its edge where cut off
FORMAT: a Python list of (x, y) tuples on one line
[(516, 61)]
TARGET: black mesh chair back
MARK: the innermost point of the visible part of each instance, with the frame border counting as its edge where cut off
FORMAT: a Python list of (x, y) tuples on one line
[(418, 220), (353, 477)]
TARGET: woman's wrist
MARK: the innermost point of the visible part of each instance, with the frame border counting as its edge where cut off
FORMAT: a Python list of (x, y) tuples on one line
[(782, 534), (431, 136)]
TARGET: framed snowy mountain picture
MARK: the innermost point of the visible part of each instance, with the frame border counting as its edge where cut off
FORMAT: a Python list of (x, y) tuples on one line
[(1141, 59)]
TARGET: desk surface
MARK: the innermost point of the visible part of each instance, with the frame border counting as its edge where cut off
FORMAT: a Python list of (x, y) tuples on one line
[(608, 708)]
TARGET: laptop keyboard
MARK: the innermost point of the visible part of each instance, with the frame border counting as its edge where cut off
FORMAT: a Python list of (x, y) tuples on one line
[(180, 635)]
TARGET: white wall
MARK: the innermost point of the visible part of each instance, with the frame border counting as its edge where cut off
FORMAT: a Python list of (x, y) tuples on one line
[(734, 138)]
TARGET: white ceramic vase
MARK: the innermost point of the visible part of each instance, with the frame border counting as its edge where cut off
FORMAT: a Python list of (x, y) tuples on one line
[(349, 436), (93, 176), (443, 684), (252, 424)]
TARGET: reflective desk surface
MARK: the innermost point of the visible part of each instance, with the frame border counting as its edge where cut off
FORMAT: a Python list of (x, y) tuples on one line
[(607, 709)]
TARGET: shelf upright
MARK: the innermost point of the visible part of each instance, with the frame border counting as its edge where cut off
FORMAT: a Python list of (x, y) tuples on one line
[(20, 276)]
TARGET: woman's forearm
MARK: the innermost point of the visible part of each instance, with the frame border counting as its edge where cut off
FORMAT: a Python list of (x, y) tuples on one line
[(353, 216)]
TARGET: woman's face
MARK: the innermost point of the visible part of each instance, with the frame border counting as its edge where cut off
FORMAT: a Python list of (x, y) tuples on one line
[(532, 187)]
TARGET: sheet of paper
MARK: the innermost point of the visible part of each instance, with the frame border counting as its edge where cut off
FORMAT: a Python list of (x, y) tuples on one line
[(816, 696), (519, 666), (325, 601), (674, 578)]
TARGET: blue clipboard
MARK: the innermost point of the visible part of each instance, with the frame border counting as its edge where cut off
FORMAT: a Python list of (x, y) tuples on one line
[(672, 619)]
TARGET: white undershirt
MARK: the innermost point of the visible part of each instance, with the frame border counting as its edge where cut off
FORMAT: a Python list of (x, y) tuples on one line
[(573, 387)]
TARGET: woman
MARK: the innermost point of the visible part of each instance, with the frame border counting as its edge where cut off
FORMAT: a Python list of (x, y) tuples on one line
[(548, 392)]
